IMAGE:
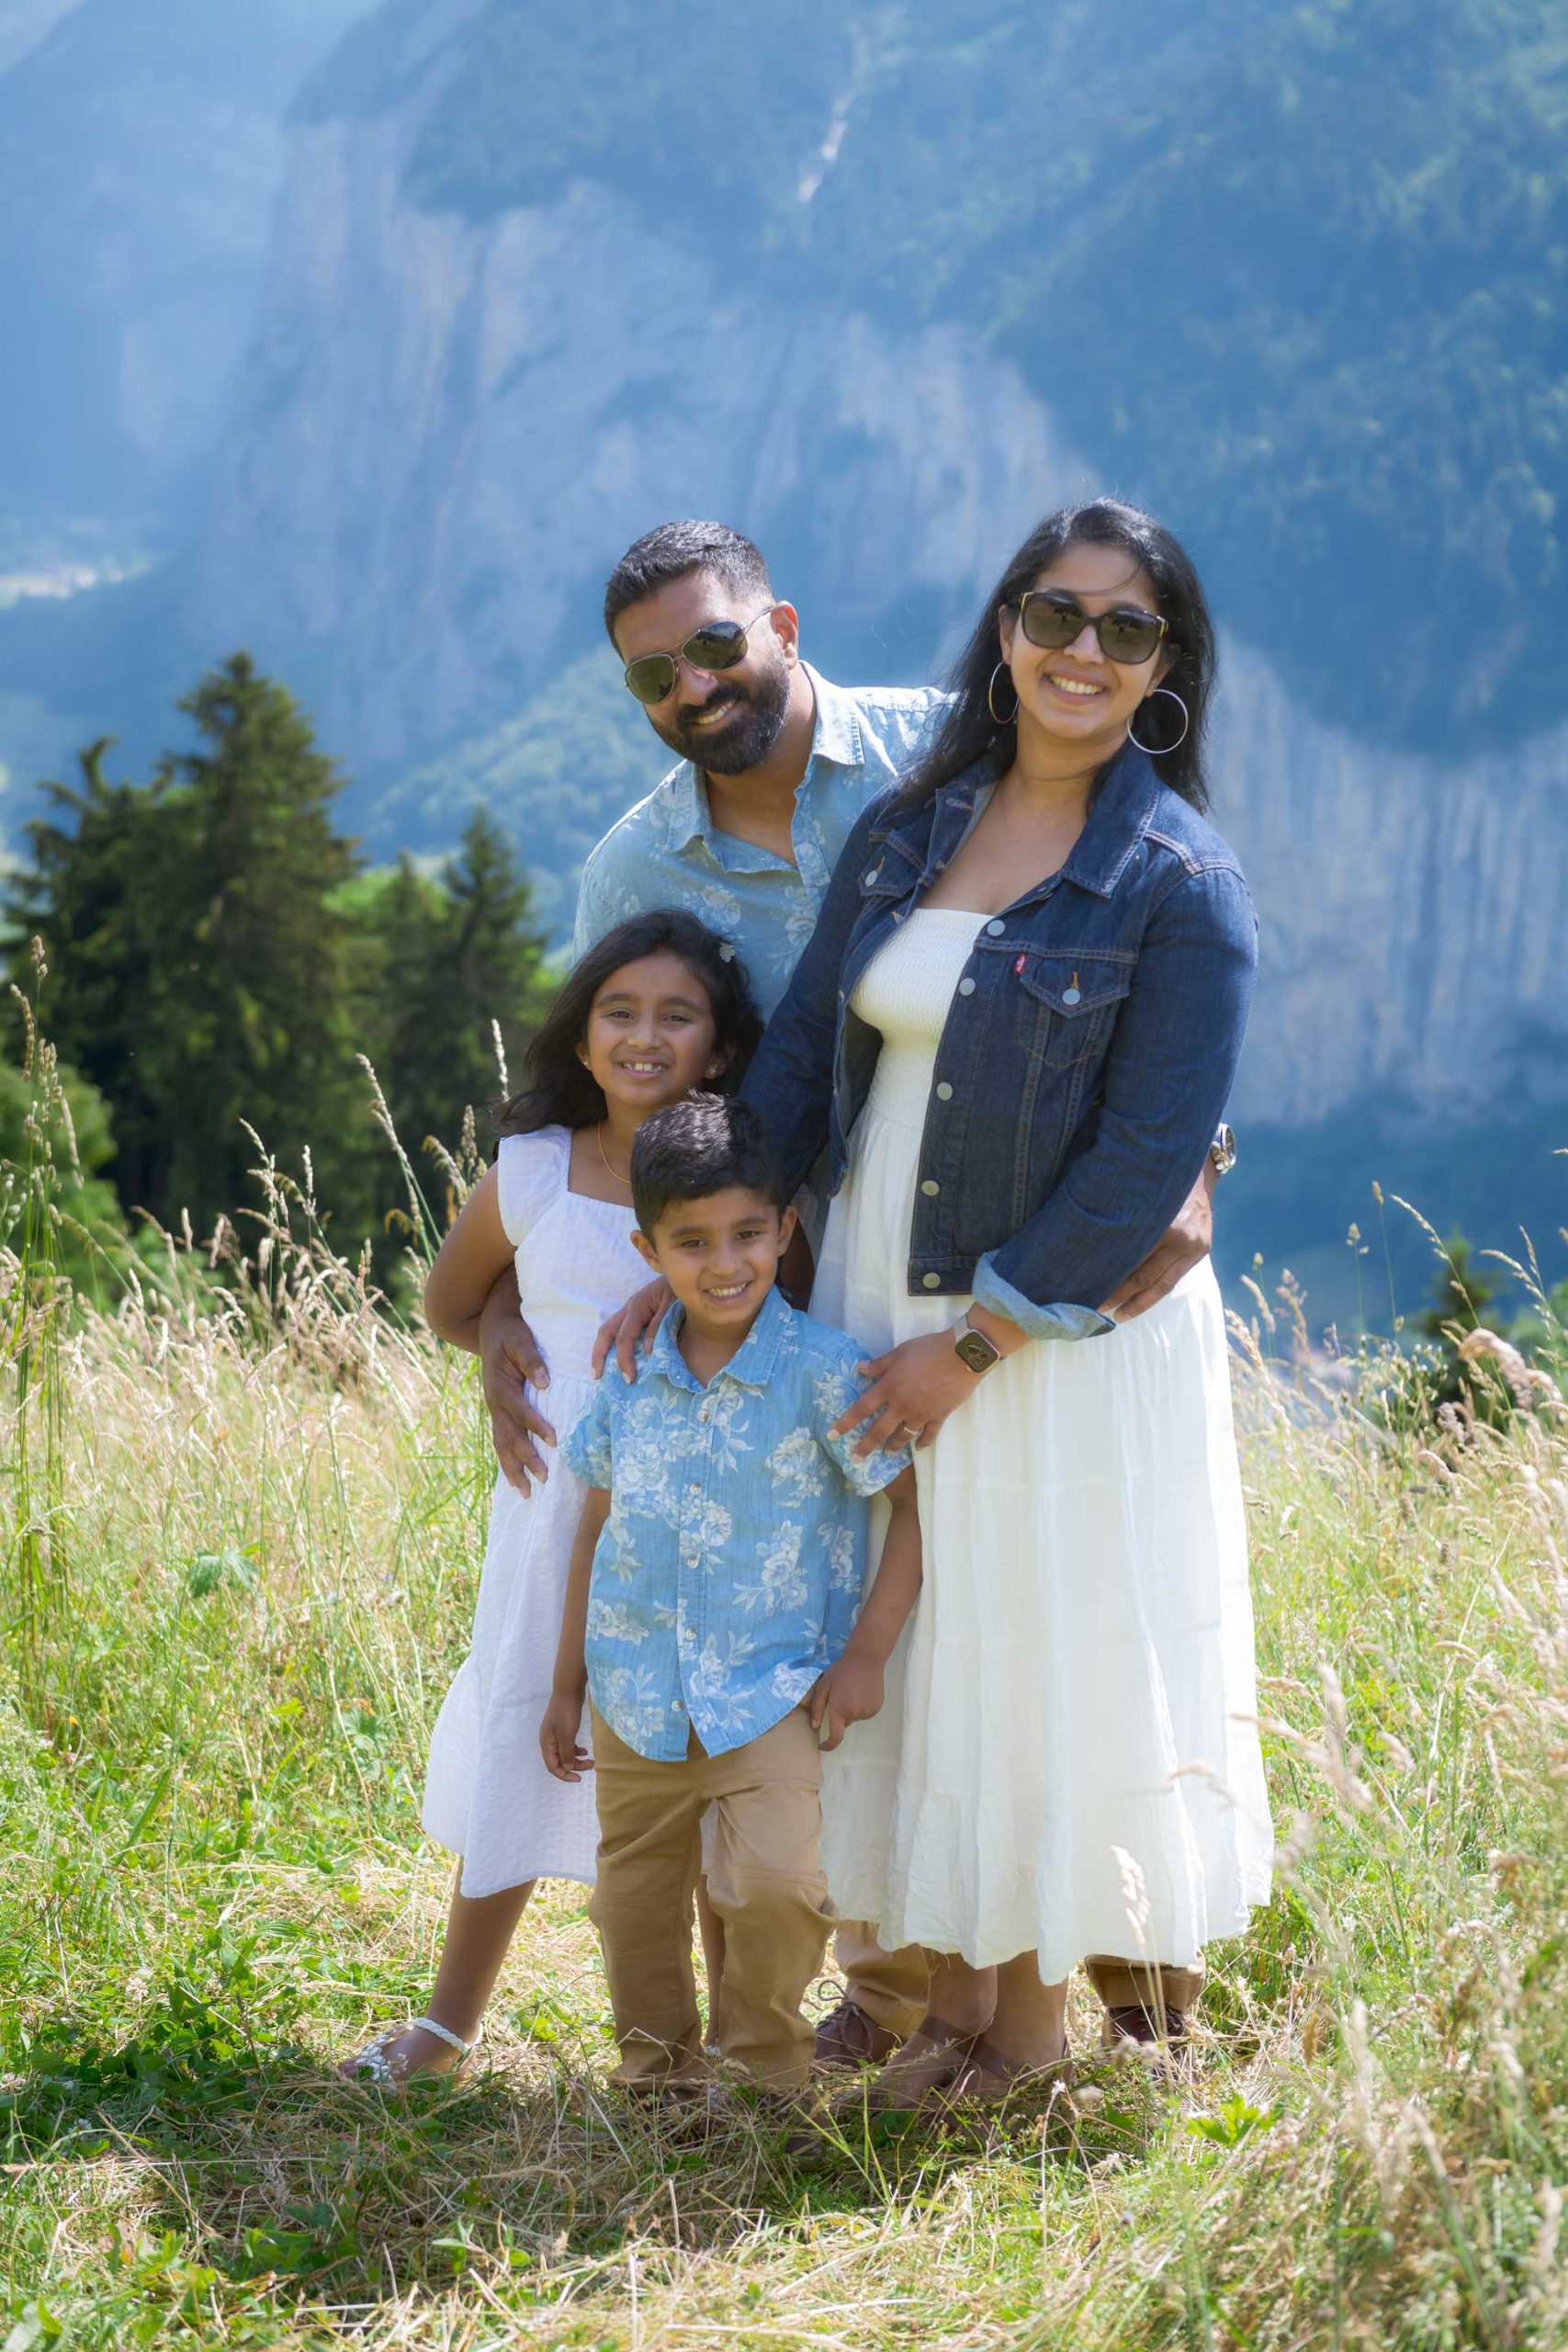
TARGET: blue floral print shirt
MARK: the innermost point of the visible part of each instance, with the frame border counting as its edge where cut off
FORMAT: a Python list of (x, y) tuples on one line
[(729, 1573)]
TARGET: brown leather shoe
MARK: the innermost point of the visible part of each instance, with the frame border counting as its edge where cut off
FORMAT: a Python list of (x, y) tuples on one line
[(847, 2038), (1143, 2029)]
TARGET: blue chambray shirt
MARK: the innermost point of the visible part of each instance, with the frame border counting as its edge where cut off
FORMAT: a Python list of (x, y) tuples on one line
[(729, 1572), (666, 852)]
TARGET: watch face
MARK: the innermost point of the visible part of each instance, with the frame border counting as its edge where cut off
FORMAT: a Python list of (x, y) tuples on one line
[(976, 1352)]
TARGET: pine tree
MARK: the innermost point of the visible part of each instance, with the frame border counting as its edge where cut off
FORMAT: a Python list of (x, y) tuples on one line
[(458, 956), (201, 958)]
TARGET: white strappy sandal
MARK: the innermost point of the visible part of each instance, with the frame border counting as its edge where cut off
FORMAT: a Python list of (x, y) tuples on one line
[(373, 2064)]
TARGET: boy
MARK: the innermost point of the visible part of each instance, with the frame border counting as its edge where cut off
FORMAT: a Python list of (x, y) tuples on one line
[(711, 1612)]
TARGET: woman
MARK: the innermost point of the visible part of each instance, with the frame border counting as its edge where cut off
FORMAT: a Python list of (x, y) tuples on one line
[(1017, 1025)]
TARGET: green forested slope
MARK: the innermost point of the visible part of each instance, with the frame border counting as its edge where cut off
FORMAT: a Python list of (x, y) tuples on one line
[(1293, 274)]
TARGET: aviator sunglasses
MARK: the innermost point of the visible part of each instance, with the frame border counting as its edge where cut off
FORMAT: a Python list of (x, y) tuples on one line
[(718, 646), (1053, 618)]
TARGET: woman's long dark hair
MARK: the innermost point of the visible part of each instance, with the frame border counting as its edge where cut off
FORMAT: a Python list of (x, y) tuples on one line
[(968, 731), (561, 1091)]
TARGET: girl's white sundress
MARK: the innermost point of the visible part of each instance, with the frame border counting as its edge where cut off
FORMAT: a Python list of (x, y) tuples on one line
[(487, 1793), (1067, 1761)]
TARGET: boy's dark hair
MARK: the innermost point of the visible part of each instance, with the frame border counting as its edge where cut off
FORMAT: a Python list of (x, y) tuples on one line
[(707, 1144), (561, 1091), (673, 550)]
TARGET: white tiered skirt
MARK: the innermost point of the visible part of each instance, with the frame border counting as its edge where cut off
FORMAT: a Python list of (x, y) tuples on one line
[(1068, 1759)]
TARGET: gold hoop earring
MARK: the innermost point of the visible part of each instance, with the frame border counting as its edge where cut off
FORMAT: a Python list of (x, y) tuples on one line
[(1001, 720)]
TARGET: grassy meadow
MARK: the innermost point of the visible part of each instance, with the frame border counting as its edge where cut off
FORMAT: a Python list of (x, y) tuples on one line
[(243, 1529)]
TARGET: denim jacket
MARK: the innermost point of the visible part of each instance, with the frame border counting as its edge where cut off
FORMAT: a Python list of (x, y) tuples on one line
[(1086, 1056)]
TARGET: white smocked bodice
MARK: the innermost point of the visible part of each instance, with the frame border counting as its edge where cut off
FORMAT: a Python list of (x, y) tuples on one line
[(904, 992)]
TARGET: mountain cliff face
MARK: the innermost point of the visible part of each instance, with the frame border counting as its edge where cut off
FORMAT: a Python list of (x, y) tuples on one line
[(483, 369), (140, 146)]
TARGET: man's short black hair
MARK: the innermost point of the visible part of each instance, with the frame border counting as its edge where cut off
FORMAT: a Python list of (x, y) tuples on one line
[(705, 1143), (673, 550)]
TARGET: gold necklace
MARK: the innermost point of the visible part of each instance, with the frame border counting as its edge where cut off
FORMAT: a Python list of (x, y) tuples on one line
[(627, 1179)]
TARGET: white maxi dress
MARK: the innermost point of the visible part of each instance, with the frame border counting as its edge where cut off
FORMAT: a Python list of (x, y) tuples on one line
[(1067, 1761), (487, 1794)]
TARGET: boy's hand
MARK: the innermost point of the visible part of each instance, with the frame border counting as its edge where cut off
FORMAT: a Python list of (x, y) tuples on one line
[(557, 1737), (849, 1692)]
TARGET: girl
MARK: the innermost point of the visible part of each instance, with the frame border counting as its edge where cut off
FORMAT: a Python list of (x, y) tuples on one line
[(660, 1006)]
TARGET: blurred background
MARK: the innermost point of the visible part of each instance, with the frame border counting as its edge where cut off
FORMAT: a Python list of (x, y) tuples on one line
[(360, 341)]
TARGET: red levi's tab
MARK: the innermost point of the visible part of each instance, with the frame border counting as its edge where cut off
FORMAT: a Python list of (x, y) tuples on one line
[(1018, 967)]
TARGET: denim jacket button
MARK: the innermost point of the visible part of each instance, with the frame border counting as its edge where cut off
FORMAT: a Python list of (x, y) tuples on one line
[(996, 928), (931, 1280), (965, 987), (931, 1187), (944, 1092), (872, 874)]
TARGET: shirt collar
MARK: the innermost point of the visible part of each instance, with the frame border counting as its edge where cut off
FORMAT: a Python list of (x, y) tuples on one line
[(753, 1361), (835, 737)]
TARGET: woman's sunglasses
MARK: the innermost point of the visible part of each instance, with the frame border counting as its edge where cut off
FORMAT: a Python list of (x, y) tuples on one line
[(1053, 619), (719, 646)]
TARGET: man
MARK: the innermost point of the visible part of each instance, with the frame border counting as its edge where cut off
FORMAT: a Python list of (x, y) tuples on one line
[(774, 764)]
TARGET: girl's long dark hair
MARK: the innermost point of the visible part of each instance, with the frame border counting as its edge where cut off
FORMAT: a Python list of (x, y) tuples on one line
[(561, 1091), (969, 731)]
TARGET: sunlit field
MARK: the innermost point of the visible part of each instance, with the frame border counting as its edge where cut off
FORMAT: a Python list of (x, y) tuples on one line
[(244, 1526)]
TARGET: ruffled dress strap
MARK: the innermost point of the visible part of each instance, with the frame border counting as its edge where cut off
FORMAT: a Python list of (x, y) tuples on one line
[(531, 1174)]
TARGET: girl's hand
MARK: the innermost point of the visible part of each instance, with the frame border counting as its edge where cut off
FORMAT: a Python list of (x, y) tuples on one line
[(916, 1385), (636, 1321), (849, 1692), (557, 1737)]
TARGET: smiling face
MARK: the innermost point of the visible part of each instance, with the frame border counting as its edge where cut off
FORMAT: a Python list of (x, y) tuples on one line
[(1076, 697), (719, 1255), (651, 1037), (724, 720)]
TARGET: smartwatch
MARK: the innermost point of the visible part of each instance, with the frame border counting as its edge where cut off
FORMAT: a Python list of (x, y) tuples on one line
[(973, 1350)]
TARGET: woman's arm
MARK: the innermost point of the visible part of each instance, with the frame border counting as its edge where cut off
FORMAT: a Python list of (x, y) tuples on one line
[(790, 1082), (1168, 1078), (475, 1252)]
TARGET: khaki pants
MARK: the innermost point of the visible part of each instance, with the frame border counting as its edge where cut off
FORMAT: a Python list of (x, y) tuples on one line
[(766, 1885), (1132, 1984), (890, 1986)]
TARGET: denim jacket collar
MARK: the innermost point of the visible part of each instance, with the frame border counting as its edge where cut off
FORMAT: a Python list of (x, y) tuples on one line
[(835, 737), (1118, 817), (752, 1363)]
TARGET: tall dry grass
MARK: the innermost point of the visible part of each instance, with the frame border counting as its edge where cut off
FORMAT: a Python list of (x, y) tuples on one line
[(242, 1528)]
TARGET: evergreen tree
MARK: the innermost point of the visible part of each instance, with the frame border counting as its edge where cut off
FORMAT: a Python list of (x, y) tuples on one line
[(458, 956), (201, 958)]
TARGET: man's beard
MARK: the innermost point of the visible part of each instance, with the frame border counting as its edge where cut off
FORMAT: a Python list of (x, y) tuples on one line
[(747, 738)]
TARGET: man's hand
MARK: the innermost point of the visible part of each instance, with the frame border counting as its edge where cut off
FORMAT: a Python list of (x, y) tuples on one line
[(849, 1692), (638, 1321), (509, 1357), (558, 1727), (1189, 1240)]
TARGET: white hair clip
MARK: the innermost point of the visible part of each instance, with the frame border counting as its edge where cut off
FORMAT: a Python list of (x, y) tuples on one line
[(726, 953)]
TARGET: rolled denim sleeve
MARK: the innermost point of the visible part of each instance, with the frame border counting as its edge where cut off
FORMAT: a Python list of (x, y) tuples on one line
[(790, 1082), (1168, 1078)]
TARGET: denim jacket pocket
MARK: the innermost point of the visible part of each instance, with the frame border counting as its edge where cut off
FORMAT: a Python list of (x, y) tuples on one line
[(1067, 1004)]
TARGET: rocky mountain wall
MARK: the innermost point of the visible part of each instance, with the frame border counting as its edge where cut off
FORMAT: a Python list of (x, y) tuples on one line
[(450, 427)]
